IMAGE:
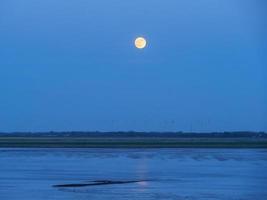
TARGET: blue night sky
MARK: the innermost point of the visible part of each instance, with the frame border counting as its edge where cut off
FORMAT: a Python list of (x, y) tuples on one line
[(72, 65)]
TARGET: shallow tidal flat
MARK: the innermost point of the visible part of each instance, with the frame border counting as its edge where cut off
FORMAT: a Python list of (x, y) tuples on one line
[(133, 174)]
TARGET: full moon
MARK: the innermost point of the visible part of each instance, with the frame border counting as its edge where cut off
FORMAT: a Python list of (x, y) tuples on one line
[(140, 42)]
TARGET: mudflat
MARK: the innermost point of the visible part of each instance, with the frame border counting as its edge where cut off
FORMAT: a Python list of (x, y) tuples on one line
[(136, 174)]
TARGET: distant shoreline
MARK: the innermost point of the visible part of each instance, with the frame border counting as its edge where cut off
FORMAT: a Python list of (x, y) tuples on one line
[(133, 140)]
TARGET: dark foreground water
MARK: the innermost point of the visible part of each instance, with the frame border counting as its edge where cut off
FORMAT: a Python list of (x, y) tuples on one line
[(202, 174)]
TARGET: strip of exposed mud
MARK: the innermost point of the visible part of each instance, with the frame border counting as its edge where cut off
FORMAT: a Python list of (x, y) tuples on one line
[(98, 182)]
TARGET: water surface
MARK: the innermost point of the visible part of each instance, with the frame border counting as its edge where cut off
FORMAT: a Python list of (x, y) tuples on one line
[(171, 174)]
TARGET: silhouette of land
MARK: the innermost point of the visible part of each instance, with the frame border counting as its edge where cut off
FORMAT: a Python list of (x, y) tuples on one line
[(99, 182), (134, 140)]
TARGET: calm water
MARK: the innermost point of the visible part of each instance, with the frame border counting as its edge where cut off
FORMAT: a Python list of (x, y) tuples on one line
[(202, 174)]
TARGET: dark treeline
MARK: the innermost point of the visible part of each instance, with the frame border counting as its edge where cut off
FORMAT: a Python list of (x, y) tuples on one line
[(238, 134)]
